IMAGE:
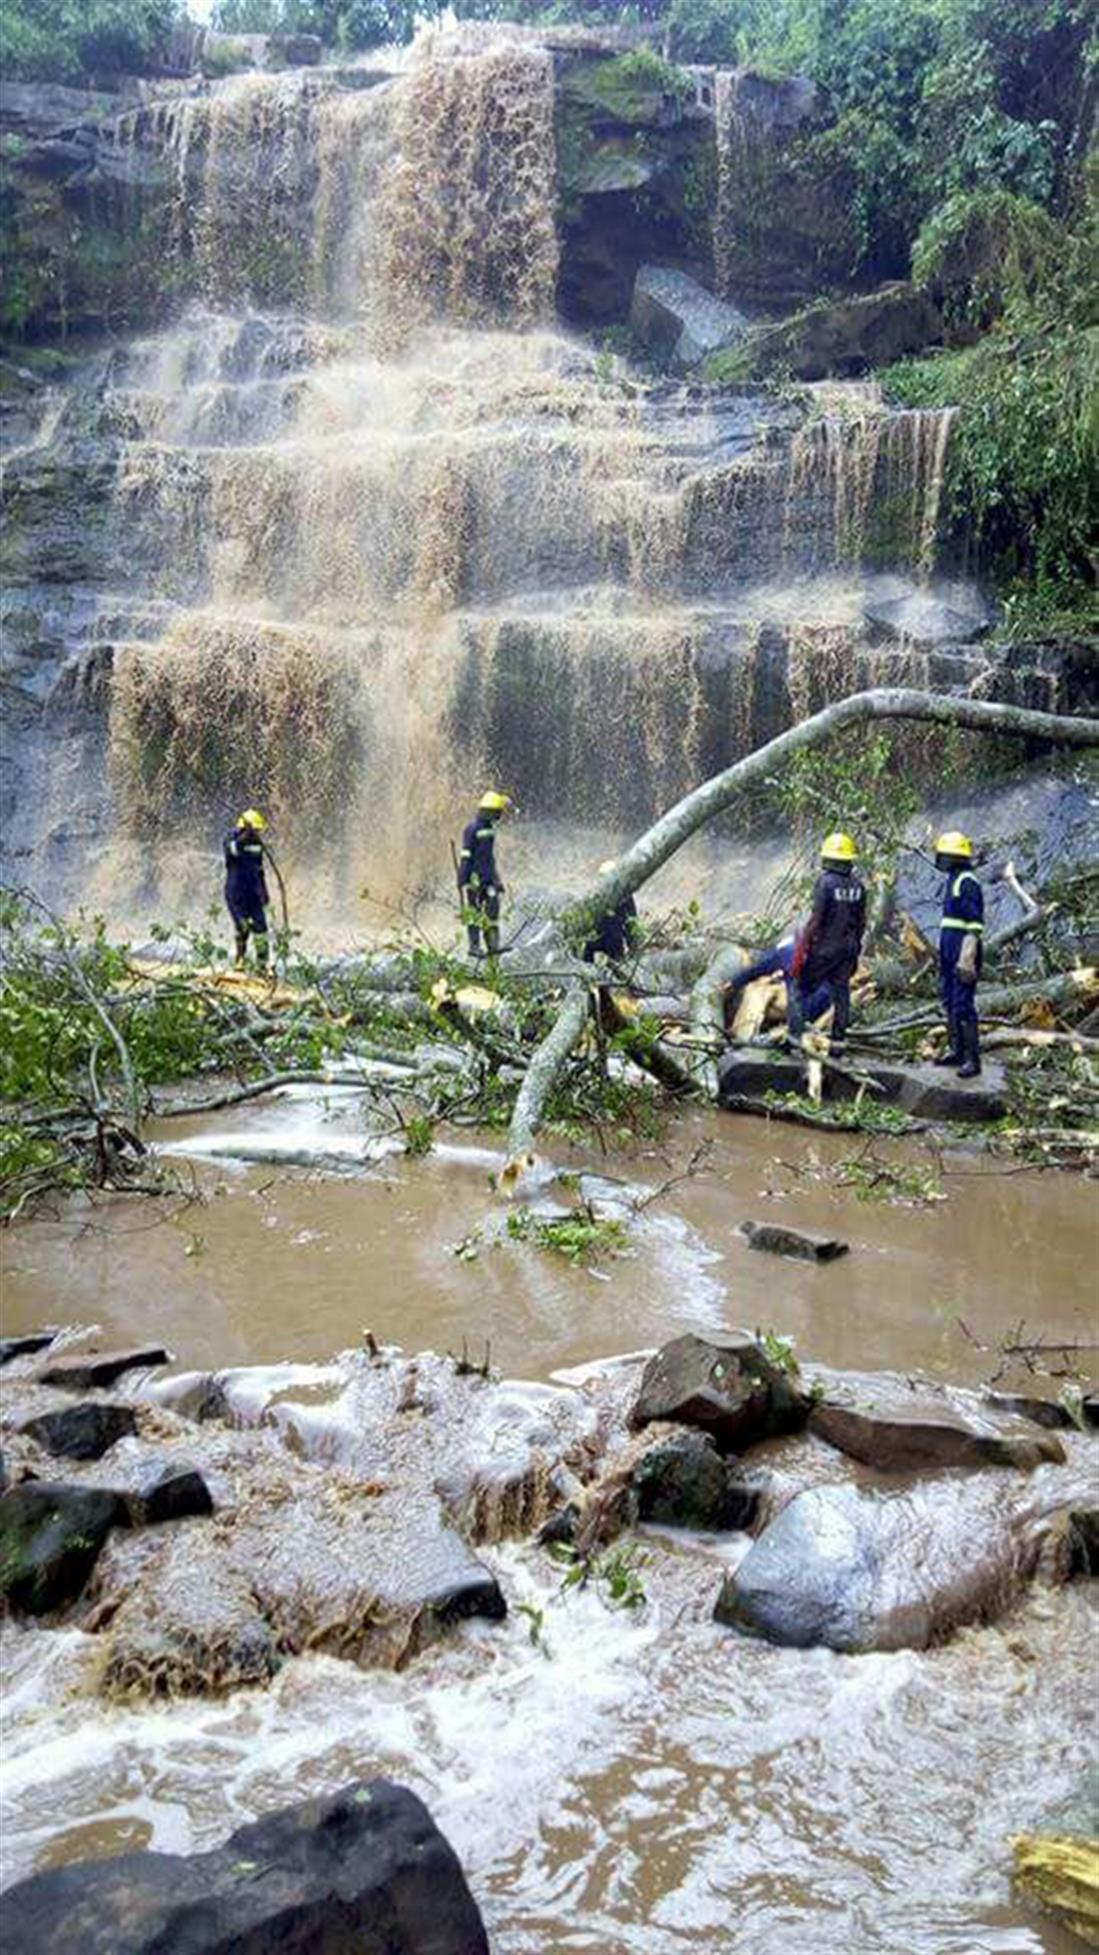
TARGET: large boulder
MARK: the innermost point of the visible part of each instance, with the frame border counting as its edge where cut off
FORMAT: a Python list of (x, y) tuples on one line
[(856, 1570), (842, 337), (898, 1424), (51, 1536), (683, 1481), (84, 1431), (730, 1390), (678, 321), (628, 125), (364, 1871)]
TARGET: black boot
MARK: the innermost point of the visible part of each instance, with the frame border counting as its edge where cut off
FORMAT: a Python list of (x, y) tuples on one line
[(971, 1050), (953, 1055), (474, 941)]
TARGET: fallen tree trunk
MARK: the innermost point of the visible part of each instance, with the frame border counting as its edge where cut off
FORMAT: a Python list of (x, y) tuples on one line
[(1070, 986), (659, 843), (538, 1082)]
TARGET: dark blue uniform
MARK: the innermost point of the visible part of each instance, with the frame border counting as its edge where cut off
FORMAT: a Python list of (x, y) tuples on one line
[(615, 932), (246, 889), (776, 962), (828, 953), (479, 886), (963, 916)]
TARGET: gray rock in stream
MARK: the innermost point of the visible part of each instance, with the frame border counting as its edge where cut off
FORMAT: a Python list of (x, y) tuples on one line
[(22, 1347), (802, 1245), (682, 1481), (856, 1570), (84, 1431), (922, 1090), (51, 1536), (82, 1371), (729, 1389), (364, 1871)]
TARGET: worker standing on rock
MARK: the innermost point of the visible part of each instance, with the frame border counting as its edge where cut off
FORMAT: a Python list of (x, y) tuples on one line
[(616, 932), (960, 946), (479, 886), (246, 885), (827, 951)]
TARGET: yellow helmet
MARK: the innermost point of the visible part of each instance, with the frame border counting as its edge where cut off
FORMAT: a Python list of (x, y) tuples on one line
[(838, 848), (954, 843), (495, 802), (251, 818), (606, 867)]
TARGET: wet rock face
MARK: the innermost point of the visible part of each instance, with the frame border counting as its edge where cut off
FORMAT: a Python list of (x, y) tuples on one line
[(730, 1390), (848, 337), (854, 1570), (51, 1536), (683, 1481), (85, 1431), (899, 1425), (362, 1872)]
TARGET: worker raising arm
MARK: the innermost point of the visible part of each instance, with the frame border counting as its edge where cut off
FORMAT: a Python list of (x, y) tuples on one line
[(828, 949), (246, 885), (961, 935), (479, 886)]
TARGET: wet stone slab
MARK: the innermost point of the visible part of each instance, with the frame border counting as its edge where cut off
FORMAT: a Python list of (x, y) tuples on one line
[(926, 1092), (901, 1424)]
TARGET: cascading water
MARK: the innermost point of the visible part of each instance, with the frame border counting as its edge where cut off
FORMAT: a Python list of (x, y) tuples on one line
[(347, 557)]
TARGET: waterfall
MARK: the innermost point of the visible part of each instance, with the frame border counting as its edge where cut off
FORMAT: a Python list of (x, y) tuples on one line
[(349, 545)]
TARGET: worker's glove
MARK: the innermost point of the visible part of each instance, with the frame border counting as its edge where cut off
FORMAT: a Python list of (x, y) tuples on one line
[(966, 967)]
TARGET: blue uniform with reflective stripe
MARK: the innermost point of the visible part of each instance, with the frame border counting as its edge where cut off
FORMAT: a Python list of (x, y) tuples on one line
[(963, 915)]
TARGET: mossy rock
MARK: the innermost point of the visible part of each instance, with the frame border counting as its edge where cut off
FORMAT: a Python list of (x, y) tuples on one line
[(638, 90)]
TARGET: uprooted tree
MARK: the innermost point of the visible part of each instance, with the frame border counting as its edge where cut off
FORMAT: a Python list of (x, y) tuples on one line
[(92, 1033), (666, 836)]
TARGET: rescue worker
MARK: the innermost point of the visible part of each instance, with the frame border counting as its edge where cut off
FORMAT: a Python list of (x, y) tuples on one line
[(246, 885), (479, 886), (776, 962), (960, 945), (827, 951), (617, 931)]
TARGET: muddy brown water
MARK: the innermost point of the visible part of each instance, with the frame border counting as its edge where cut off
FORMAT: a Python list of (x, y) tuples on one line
[(627, 1784)]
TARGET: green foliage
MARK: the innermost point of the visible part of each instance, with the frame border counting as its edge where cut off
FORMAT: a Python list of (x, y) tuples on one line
[(982, 248), (615, 1571), (1021, 478), (865, 1116), (419, 1134), (779, 1351), (854, 784), (347, 25), (578, 1237), (69, 40)]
